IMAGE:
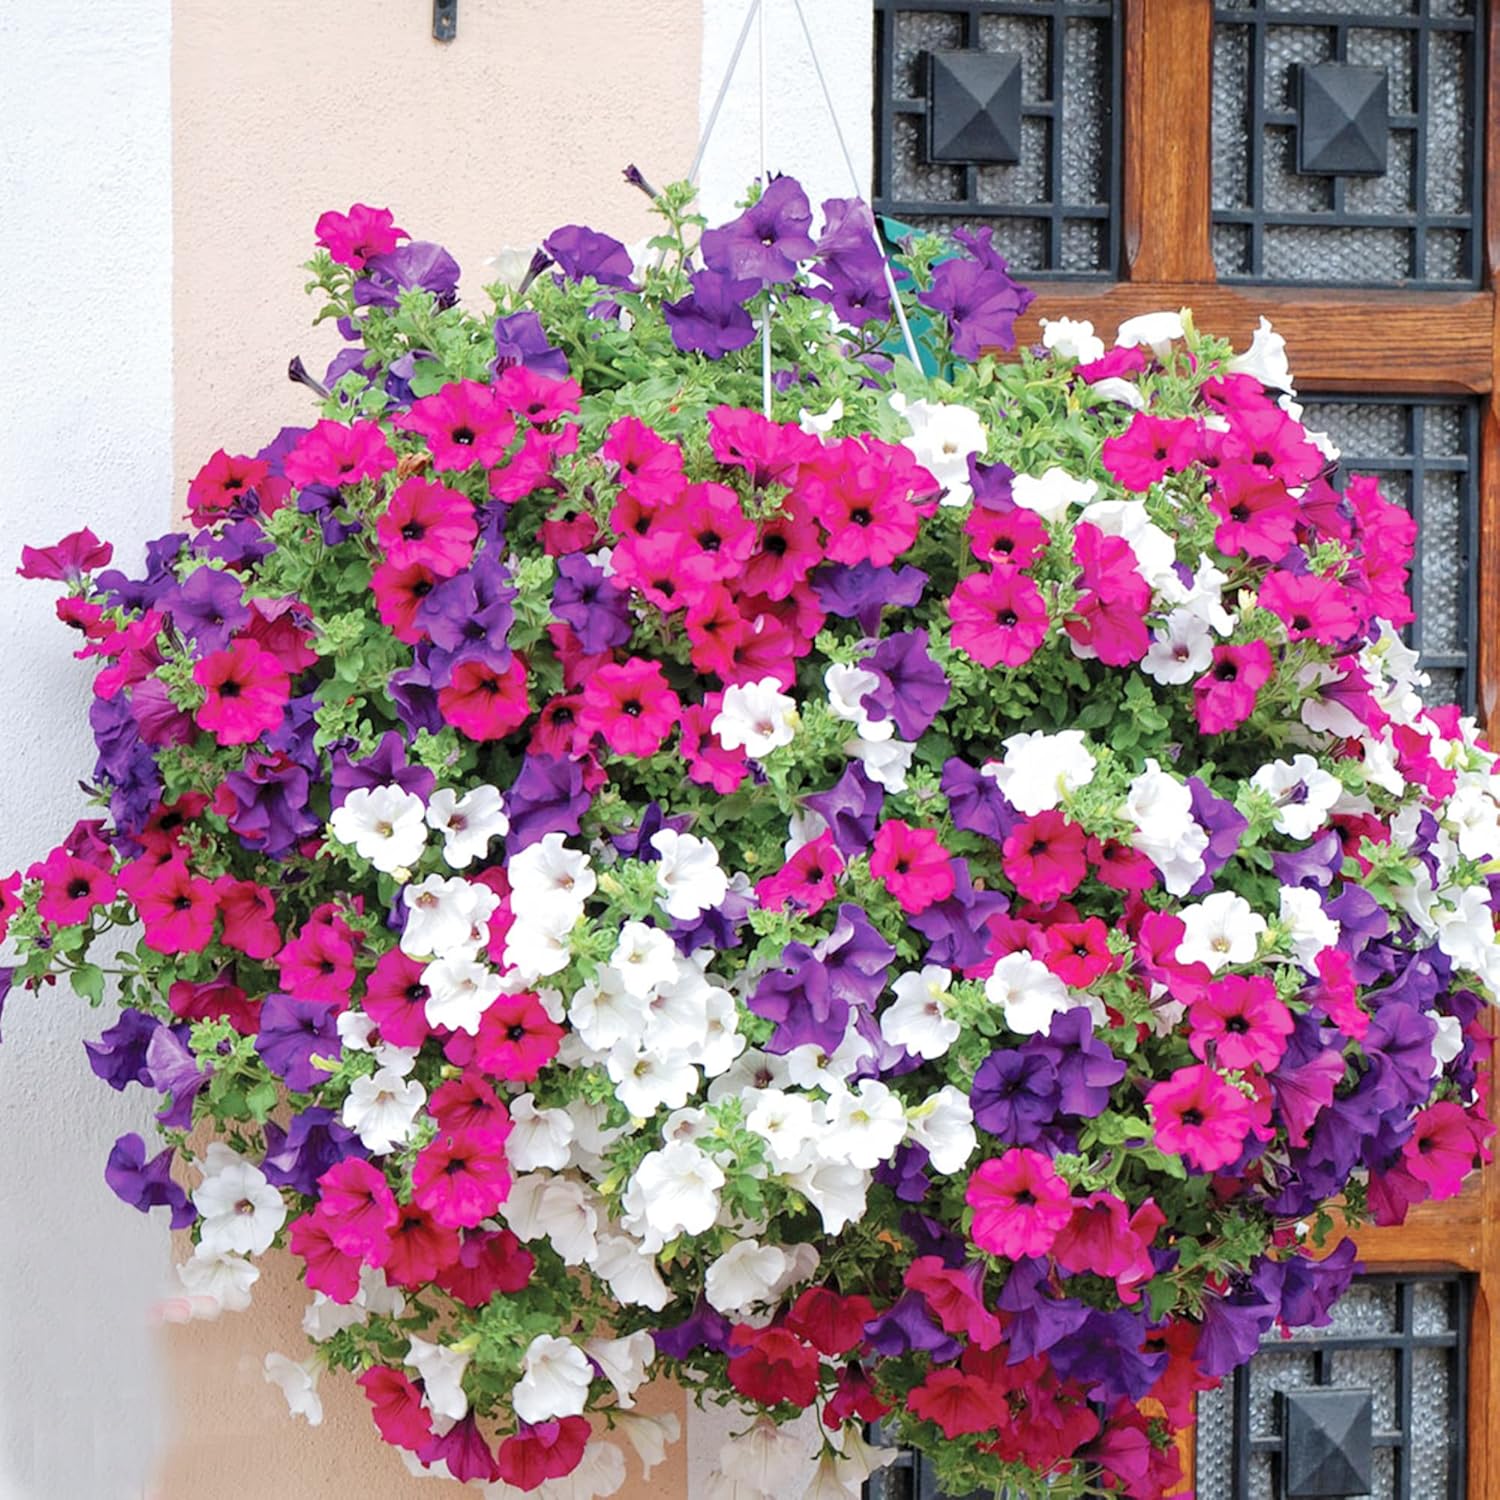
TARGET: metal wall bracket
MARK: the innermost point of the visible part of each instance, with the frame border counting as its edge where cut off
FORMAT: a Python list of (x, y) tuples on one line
[(444, 20)]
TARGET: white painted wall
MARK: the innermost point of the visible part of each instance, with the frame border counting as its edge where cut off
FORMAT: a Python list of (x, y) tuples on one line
[(800, 137), (85, 311)]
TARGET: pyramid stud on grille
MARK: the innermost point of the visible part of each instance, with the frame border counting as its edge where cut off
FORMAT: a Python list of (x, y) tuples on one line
[(974, 106), (1343, 120)]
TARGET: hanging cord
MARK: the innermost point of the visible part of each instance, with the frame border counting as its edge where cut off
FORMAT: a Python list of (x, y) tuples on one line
[(765, 317), (833, 115), (713, 114)]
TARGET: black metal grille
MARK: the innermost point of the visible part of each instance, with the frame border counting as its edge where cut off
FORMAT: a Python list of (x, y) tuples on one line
[(1424, 452), (1401, 1340), (1055, 209), (1413, 223)]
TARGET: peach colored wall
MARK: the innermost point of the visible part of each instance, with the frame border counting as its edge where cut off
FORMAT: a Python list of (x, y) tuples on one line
[(282, 108)]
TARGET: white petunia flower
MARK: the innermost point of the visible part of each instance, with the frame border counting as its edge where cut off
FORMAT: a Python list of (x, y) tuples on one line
[(630, 1272), (538, 1137), (774, 1460), (1180, 650), (324, 1317), (360, 1033), (1304, 794), (943, 437), (1265, 360), (1166, 831), (299, 1384), (650, 1436), (467, 823), (810, 1067), (1309, 928), (820, 424), (446, 915), (787, 1123), (604, 1012), (1052, 494), (1448, 1042), (756, 717), (1115, 388), (679, 1190), (1028, 993), (239, 1211), (943, 1124), (382, 1110), (459, 991), (916, 1021), (549, 882), (647, 1080), (744, 1277), (1037, 769), (689, 881), (384, 824), (1221, 929), (555, 1380), (1157, 329), (886, 762), (837, 1189), (442, 1371), (534, 951), (1072, 339), (847, 686), (722, 1042), (644, 958), (219, 1279), (865, 1125)]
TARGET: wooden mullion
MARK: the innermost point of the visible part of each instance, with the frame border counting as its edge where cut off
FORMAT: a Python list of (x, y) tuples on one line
[(1401, 343), (1168, 166)]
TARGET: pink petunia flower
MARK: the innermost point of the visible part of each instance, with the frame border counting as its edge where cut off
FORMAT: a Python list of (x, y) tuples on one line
[(465, 423), (808, 879), (246, 692), (71, 888), (999, 619), (1242, 1019), (353, 238), (359, 1208), (1224, 697), (338, 453), (516, 1038), (224, 481), (631, 706), (1044, 857), (485, 703), (459, 1180), (1020, 1204), (428, 525), (176, 907), (1200, 1117), (912, 864)]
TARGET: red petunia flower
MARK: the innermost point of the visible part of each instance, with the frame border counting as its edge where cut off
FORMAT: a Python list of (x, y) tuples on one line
[(399, 593), (489, 1261), (396, 1406), (548, 1450), (484, 702), (224, 481), (329, 1270), (419, 1248), (771, 1365)]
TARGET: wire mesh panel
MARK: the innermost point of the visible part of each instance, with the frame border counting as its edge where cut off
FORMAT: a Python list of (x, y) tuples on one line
[(1378, 1400), (1425, 455), (1054, 206), (1346, 141)]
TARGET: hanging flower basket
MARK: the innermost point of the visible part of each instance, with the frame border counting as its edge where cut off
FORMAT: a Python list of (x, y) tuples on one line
[(695, 826)]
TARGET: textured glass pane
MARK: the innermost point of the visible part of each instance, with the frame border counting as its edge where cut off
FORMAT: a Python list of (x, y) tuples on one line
[(1231, 187), (1352, 7), (1372, 1370), (1440, 607), (1447, 255), (1443, 432), (1029, 36), (1085, 138), (918, 32), (1395, 51), (1300, 252), (1083, 245), (1023, 242), (1367, 1307), (1286, 190), (911, 176), (1024, 181), (1448, 123), (1232, 249), (1446, 686), (1362, 429), (1272, 1371), (1383, 1477), (1214, 1457), (1260, 1477), (1455, 8), (1286, 48), (1431, 1420)]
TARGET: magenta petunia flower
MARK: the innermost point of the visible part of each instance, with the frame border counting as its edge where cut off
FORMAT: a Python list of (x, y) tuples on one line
[(485, 702), (71, 888), (1045, 857), (1020, 1204), (912, 865), (246, 692), (223, 483), (630, 704), (1224, 697), (465, 423), (77, 553), (1242, 1019), (460, 1180), (359, 1208), (1200, 1117), (428, 525), (352, 238), (176, 907), (999, 619), (516, 1039), (338, 453)]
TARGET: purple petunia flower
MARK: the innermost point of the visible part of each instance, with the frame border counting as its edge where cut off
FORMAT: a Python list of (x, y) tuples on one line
[(417, 267), (547, 796), (1232, 1329), (385, 765), (975, 801), (270, 811), (585, 599), (146, 1184), (765, 243), (1086, 1069), (1014, 1095), (1034, 1319), (1225, 826), (209, 608), (705, 1329), (711, 320), (140, 594), (909, 1325), (955, 927), (580, 252), (991, 485), (977, 296), (913, 688), (1315, 866), (850, 807), (175, 1070), (292, 1033), (416, 699), (314, 1142), (1104, 1355), (119, 1056), (862, 591), (521, 340)]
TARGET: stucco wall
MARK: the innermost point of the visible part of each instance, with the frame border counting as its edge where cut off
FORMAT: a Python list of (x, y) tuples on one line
[(85, 180)]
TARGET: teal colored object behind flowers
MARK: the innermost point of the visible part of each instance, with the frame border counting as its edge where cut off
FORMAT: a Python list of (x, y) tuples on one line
[(912, 908)]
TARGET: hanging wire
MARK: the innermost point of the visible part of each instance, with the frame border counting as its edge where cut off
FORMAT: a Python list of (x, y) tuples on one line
[(765, 317), (833, 115), (713, 114)]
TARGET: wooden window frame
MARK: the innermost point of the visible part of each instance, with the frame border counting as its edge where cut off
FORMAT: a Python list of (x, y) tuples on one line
[(1380, 341)]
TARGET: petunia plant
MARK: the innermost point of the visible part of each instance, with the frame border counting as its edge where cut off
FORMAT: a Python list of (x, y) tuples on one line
[(872, 879)]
